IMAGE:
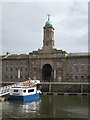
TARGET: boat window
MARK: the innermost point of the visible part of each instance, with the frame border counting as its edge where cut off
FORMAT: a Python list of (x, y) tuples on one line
[(24, 90), (31, 90), (15, 90)]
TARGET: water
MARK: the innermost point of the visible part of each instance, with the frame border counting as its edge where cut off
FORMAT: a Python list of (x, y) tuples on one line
[(48, 107)]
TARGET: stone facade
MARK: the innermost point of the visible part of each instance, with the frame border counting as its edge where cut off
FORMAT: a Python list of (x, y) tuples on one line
[(11, 66), (46, 64), (77, 68)]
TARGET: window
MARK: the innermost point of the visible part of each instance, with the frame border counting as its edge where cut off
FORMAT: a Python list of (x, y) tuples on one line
[(31, 90), (82, 68), (16, 69), (24, 91), (25, 69), (21, 77), (88, 68), (70, 77), (34, 69), (20, 69), (6, 69), (11, 77), (15, 76), (15, 90), (76, 77), (6, 76), (88, 77), (11, 69), (26, 77), (76, 68), (82, 77)]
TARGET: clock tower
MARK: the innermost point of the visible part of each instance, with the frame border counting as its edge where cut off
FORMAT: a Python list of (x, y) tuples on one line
[(48, 38)]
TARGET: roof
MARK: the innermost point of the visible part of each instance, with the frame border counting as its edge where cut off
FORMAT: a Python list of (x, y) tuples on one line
[(15, 56), (48, 22), (79, 54)]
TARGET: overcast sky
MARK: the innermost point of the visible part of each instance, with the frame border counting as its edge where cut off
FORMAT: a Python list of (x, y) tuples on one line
[(23, 22)]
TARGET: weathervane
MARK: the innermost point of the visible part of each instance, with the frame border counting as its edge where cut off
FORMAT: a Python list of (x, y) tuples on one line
[(48, 16)]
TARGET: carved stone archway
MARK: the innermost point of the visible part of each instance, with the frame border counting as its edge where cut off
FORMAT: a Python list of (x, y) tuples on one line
[(47, 72)]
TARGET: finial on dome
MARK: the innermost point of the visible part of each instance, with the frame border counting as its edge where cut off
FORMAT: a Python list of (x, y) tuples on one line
[(48, 16), (48, 23)]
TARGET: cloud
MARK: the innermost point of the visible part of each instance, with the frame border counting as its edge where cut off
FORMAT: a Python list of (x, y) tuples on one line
[(23, 23), (72, 29), (45, 1)]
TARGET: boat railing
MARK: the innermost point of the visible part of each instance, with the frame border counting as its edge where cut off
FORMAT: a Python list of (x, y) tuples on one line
[(6, 89)]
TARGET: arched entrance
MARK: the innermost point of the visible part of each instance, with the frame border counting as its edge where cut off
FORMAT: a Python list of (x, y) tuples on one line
[(46, 72)]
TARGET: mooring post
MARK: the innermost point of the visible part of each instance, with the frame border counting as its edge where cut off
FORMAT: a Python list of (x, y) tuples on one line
[(49, 87), (81, 88)]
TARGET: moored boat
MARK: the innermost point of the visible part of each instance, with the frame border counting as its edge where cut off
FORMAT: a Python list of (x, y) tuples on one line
[(27, 91)]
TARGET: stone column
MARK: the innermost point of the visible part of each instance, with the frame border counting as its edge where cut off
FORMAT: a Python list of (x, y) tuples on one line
[(54, 74)]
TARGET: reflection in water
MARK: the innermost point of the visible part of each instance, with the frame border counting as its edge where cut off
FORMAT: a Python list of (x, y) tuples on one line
[(47, 107), (31, 106), (19, 109), (64, 106)]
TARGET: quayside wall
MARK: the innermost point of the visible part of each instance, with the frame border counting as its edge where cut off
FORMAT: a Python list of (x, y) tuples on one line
[(65, 87)]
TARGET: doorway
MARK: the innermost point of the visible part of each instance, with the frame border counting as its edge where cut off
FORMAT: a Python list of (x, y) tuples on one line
[(46, 72)]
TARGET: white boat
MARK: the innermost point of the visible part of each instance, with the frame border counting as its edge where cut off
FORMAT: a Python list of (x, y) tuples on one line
[(27, 91)]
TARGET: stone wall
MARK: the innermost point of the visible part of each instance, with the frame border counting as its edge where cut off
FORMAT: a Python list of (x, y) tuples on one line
[(77, 68), (62, 88), (11, 68), (64, 68)]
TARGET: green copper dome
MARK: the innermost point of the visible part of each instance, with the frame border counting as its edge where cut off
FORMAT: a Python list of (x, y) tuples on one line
[(48, 23)]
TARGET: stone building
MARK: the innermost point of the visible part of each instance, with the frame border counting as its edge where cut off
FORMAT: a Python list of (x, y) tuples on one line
[(46, 64)]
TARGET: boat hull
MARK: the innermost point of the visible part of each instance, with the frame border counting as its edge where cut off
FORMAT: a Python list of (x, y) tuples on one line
[(24, 98)]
